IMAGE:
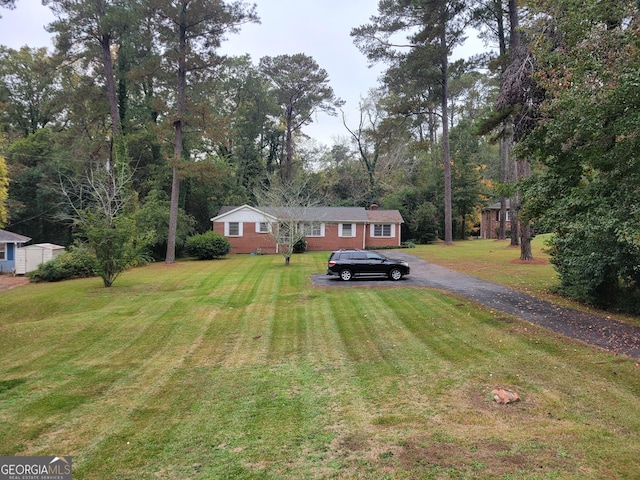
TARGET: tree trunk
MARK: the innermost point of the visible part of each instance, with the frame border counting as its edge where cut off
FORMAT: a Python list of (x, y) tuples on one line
[(513, 211), (524, 170), (505, 153), (525, 242), (514, 25), (110, 85), (515, 205), (522, 167), (289, 146), (177, 145), (173, 216), (507, 134), (448, 226), (514, 33)]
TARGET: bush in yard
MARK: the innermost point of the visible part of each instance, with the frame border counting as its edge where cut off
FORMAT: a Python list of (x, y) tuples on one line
[(115, 241), (597, 268), (207, 246), (300, 246), (77, 262)]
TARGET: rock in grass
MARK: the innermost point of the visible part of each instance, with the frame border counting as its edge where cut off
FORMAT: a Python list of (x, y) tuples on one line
[(504, 396)]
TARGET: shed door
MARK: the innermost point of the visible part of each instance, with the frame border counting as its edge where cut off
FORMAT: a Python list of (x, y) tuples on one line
[(35, 257), (21, 261)]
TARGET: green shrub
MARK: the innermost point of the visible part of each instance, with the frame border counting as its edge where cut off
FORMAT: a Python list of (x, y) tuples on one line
[(77, 262), (207, 246), (300, 246), (597, 269)]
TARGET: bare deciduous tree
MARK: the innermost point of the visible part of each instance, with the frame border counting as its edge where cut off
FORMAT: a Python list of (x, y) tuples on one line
[(288, 203), (102, 205)]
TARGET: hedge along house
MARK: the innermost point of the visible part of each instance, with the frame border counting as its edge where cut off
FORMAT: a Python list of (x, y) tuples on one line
[(249, 229), (9, 244)]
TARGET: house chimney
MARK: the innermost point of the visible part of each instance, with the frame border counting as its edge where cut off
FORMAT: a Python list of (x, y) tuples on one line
[(374, 206)]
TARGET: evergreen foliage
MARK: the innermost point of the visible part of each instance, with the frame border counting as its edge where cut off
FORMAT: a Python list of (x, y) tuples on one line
[(587, 142), (300, 246), (152, 217), (207, 246), (4, 184), (139, 85)]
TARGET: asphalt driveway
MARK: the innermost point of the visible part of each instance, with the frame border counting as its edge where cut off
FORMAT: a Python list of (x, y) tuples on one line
[(612, 335)]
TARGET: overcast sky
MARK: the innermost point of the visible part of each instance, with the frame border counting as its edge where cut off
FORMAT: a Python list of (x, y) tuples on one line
[(320, 29)]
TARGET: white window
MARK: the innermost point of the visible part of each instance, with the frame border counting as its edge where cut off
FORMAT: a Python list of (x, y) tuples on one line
[(233, 229), (382, 230), (285, 233), (262, 227), (347, 230), (314, 229), (499, 215), (3, 251)]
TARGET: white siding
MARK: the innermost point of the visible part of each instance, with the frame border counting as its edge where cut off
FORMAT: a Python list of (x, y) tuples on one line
[(31, 257)]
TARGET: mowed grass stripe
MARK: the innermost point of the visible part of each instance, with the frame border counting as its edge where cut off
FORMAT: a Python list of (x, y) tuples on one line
[(144, 366), (141, 406), (324, 346), (64, 350), (239, 422), (250, 386), (201, 397), (450, 328), (249, 316)]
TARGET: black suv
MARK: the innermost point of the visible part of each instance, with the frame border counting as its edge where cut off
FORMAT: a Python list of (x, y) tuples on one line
[(353, 263)]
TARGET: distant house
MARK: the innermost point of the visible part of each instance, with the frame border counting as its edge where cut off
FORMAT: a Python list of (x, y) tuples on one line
[(248, 228), (490, 220), (9, 244)]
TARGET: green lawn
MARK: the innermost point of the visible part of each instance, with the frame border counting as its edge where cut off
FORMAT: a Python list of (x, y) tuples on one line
[(497, 261), (240, 368)]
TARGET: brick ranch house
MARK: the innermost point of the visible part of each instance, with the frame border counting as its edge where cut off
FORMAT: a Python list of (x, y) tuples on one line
[(490, 221), (248, 228)]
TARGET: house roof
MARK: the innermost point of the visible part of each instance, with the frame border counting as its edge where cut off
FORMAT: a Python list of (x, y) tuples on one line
[(496, 206), (228, 209), (322, 214), (384, 216), (9, 237)]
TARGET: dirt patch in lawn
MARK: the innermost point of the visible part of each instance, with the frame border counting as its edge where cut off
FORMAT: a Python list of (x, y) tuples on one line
[(9, 281)]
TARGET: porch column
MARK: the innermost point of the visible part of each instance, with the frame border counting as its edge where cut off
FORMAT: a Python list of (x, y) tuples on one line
[(364, 237)]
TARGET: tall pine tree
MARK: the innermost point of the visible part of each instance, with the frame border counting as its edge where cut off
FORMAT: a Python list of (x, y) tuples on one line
[(433, 29)]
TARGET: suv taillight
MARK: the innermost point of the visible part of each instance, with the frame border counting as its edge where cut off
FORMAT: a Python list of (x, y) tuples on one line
[(332, 263)]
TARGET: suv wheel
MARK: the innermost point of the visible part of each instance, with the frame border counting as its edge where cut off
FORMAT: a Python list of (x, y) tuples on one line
[(346, 274), (395, 274)]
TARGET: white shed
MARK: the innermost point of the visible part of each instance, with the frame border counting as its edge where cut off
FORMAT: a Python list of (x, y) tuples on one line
[(32, 256)]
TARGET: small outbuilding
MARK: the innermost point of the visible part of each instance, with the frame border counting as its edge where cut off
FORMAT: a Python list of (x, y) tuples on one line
[(31, 257), (9, 244)]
